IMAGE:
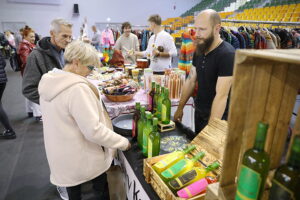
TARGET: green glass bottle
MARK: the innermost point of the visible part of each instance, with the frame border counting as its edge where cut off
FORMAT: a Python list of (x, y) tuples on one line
[(154, 140), (141, 124), (155, 101), (254, 169), (166, 108), (159, 103), (151, 97), (286, 182), (181, 167), (136, 117), (147, 130)]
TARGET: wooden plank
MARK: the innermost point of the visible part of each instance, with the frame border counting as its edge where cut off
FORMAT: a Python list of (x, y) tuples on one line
[(212, 192), (275, 95), (285, 113), (257, 104), (228, 192), (237, 114), (273, 55)]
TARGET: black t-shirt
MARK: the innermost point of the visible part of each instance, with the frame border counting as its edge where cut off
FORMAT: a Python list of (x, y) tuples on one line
[(218, 62)]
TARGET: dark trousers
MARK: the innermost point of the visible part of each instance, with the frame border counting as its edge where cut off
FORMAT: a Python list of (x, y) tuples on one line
[(201, 120), (3, 116), (100, 186)]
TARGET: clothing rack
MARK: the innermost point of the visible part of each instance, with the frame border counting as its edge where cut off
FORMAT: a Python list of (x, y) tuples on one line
[(263, 22)]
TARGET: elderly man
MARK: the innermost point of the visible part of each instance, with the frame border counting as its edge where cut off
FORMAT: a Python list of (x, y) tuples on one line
[(47, 55), (212, 69)]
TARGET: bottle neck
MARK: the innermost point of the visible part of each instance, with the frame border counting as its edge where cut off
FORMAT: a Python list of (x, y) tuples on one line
[(198, 156), (190, 148), (259, 145)]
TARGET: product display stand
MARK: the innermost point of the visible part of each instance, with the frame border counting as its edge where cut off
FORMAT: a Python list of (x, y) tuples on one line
[(264, 88)]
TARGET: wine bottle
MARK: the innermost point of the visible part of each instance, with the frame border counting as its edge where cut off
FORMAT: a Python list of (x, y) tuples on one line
[(154, 140), (141, 124), (159, 103), (193, 189), (166, 108), (192, 176), (254, 169), (286, 182), (171, 158), (181, 167), (136, 117), (151, 97), (155, 101), (147, 130)]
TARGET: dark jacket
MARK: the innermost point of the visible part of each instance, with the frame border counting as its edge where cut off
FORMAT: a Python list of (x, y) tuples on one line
[(40, 61), (3, 42)]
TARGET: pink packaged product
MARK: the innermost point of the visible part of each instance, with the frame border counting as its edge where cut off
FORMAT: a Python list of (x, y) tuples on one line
[(193, 189)]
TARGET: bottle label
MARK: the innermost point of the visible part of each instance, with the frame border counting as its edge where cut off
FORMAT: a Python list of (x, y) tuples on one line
[(163, 112), (187, 177), (145, 142), (279, 191), (150, 148), (175, 169), (150, 102), (166, 161), (248, 184)]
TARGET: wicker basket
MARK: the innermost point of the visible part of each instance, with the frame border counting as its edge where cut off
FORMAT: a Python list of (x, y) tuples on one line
[(210, 140), (120, 98)]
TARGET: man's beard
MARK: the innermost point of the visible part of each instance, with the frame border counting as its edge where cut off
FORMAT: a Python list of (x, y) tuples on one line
[(203, 47)]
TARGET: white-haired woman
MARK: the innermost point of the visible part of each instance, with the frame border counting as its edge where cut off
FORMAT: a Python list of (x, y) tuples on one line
[(78, 134)]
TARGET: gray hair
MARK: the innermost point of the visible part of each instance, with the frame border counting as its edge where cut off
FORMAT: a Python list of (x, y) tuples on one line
[(85, 53), (56, 23)]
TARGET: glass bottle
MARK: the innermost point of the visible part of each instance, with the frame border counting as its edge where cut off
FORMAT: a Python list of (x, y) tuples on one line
[(181, 167), (192, 176), (255, 167), (159, 103), (136, 117), (147, 130), (141, 124), (155, 101), (286, 182), (154, 140), (151, 97), (166, 108), (171, 159)]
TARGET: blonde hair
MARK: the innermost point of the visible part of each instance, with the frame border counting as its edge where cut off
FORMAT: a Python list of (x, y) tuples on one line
[(85, 53), (56, 23)]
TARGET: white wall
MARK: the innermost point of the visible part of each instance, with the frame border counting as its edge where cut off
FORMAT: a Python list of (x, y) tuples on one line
[(136, 11)]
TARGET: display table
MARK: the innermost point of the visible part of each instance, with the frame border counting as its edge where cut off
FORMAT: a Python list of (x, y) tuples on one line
[(115, 109), (131, 162)]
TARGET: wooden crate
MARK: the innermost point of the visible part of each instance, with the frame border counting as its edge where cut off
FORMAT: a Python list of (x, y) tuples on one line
[(264, 88), (211, 140)]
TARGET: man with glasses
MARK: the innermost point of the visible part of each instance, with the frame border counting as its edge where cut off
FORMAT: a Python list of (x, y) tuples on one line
[(48, 54)]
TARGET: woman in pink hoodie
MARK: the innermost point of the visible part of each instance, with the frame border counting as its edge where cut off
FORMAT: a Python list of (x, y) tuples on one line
[(79, 139)]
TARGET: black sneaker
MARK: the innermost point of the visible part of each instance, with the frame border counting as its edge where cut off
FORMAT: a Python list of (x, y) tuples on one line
[(30, 114), (8, 134), (39, 119)]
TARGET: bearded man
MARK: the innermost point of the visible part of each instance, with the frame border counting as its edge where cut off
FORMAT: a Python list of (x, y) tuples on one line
[(212, 69)]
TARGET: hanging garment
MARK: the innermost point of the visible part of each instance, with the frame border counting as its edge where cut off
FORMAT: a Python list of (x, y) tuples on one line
[(107, 38), (187, 51)]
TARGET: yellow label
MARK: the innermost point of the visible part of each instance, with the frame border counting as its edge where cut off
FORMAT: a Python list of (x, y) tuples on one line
[(166, 161), (150, 147), (163, 113)]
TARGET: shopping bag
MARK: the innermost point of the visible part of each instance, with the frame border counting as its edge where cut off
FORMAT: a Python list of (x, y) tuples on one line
[(116, 185)]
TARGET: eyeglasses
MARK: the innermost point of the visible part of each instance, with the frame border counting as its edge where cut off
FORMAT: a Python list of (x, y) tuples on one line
[(91, 67)]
